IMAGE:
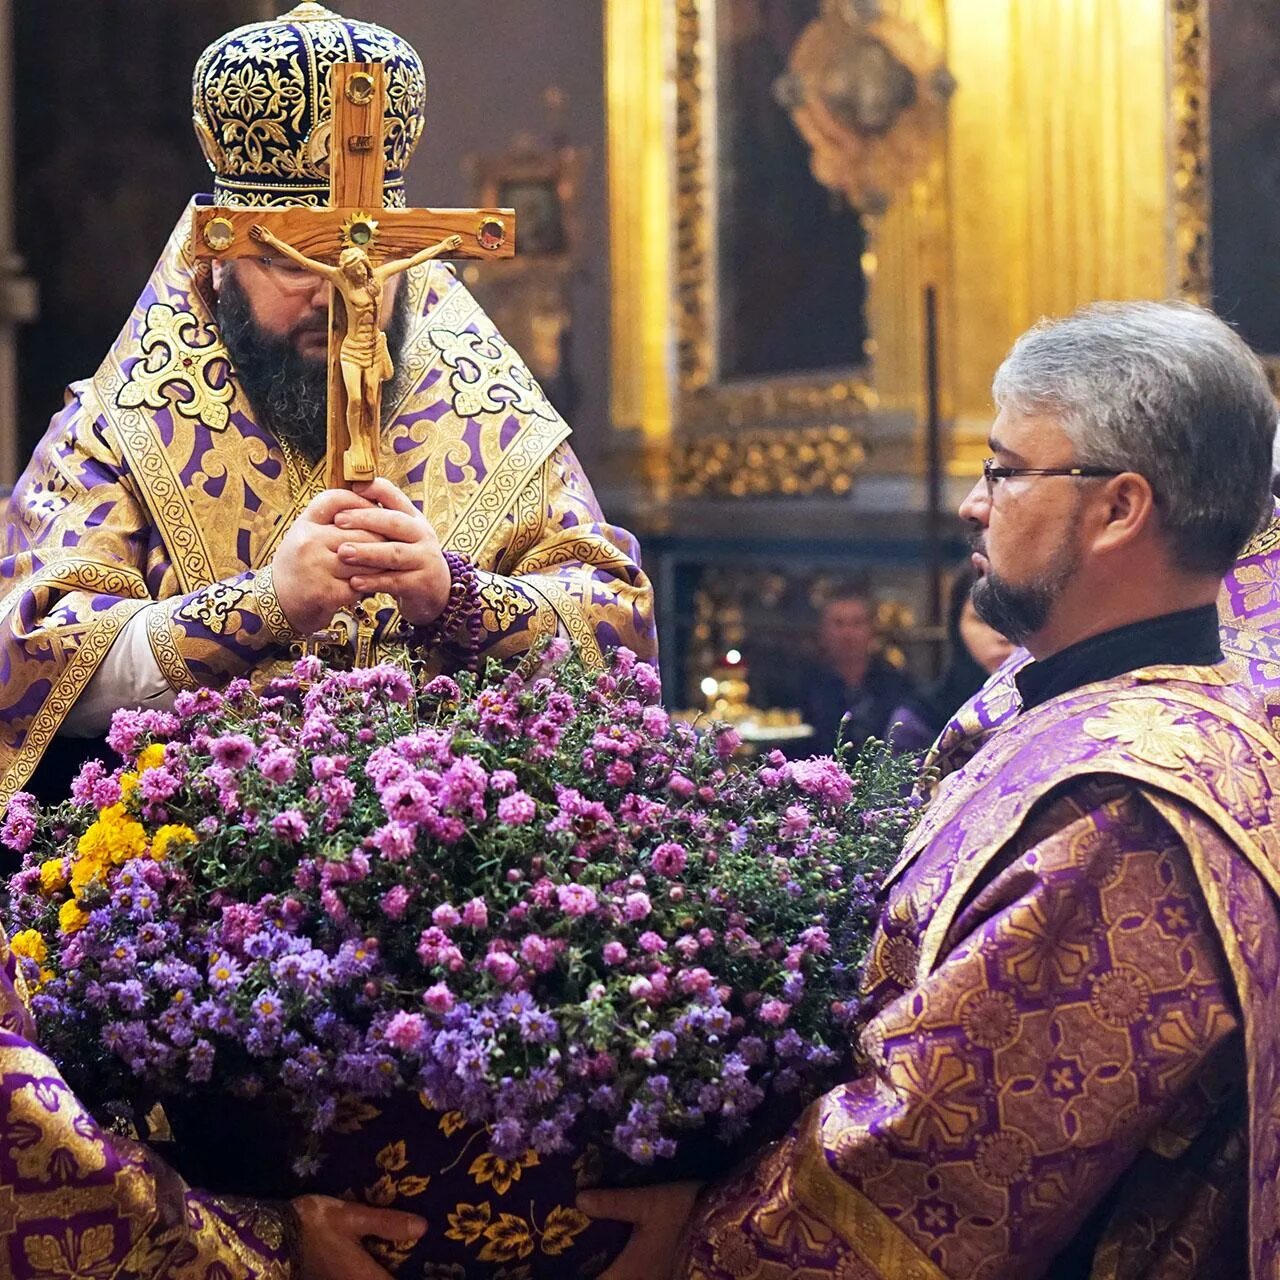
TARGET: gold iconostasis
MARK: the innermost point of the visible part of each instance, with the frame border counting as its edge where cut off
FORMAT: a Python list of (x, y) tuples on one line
[(1051, 152)]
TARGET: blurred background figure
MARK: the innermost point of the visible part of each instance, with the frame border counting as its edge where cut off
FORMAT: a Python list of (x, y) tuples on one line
[(850, 676), (974, 651)]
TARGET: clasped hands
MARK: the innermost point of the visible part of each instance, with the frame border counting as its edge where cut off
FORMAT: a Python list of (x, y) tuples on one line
[(347, 545)]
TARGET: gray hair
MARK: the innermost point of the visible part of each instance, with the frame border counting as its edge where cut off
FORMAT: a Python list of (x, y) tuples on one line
[(1165, 389)]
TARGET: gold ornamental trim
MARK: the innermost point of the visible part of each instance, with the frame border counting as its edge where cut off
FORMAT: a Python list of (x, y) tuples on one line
[(863, 1226), (70, 685), (164, 648), (1189, 123), (1191, 164), (766, 463)]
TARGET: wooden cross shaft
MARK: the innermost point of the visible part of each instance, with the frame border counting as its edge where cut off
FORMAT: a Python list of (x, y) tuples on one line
[(354, 220)]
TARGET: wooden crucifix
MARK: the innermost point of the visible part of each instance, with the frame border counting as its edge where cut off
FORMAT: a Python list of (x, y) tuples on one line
[(357, 245)]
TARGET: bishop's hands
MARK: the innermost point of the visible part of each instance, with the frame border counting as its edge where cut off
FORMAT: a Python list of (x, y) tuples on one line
[(311, 581), (345, 546), (393, 548)]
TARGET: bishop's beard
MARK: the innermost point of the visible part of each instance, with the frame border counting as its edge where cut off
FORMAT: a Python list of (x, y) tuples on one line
[(288, 391)]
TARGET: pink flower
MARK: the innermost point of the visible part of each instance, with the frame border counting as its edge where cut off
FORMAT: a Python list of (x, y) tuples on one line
[(406, 1031), (821, 776), (475, 915), (774, 1012), (278, 764), (502, 781), (640, 989), (680, 786), (656, 722), (438, 998), (727, 742), (516, 809), (394, 841), (635, 906), (538, 952), (394, 902), (694, 981), (613, 953), (502, 967), (576, 899), (233, 750), (620, 773), (651, 942), (289, 826), (407, 800), (446, 916), (795, 822), (669, 859)]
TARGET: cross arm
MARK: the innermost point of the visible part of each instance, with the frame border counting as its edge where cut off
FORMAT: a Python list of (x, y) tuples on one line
[(223, 231)]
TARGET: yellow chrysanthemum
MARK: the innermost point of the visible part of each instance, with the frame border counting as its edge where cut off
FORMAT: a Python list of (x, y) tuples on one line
[(53, 877), (84, 872), (128, 785), (29, 943), (151, 757), (114, 837), (170, 834), (71, 916)]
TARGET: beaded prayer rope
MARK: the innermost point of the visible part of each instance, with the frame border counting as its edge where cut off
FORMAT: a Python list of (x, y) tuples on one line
[(462, 607)]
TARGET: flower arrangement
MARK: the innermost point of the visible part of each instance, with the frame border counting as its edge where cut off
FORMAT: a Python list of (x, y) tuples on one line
[(532, 898)]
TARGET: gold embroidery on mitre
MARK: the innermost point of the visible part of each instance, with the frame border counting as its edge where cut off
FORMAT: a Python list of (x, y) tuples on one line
[(488, 376), (177, 362)]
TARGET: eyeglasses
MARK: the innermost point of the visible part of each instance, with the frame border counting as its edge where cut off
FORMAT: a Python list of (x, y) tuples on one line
[(992, 473), (286, 274)]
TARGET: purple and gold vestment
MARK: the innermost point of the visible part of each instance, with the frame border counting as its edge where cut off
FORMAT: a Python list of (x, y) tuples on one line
[(77, 1201), (154, 489), (1078, 955)]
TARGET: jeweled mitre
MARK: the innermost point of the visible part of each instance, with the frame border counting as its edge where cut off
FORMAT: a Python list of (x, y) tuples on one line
[(262, 111)]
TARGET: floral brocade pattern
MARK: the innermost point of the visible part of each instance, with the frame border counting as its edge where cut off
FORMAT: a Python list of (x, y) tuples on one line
[(263, 110), (132, 501), (1059, 994)]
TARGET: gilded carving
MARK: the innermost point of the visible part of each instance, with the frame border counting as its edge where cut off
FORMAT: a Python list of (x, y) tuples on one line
[(488, 376), (759, 463), (177, 361)]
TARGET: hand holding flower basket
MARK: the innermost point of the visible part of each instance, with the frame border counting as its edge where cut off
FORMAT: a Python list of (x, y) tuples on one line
[(441, 947)]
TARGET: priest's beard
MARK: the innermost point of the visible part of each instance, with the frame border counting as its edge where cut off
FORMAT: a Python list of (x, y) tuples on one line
[(1019, 610), (288, 391)]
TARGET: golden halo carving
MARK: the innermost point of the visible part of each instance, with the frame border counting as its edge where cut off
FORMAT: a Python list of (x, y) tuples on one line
[(360, 230), (219, 233)]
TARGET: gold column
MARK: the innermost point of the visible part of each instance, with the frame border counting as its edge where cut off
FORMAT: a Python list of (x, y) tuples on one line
[(639, 82), (1058, 174)]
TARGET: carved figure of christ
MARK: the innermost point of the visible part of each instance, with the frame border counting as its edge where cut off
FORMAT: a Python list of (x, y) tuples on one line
[(363, 357), (356, 245)]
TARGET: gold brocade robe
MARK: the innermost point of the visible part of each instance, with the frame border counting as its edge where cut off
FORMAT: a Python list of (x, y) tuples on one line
[(1072, 1067), (155, 490)]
